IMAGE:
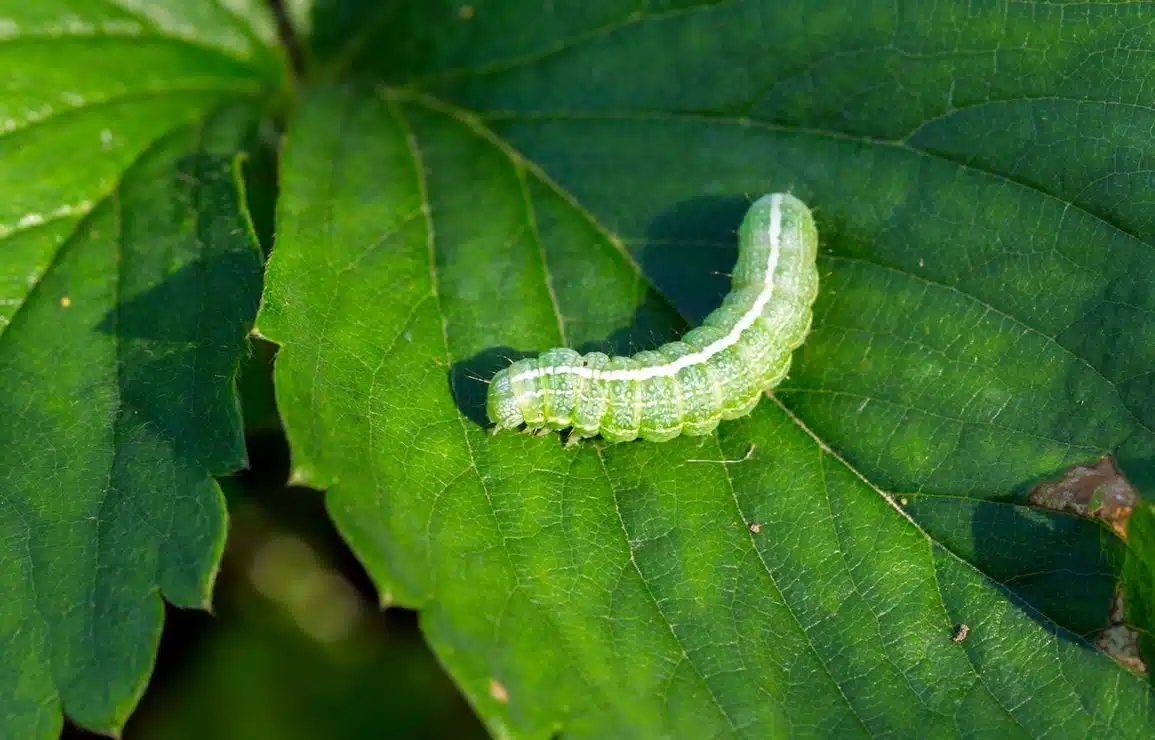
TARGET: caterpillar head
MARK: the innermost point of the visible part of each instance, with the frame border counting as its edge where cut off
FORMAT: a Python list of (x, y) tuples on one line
[(501, 405)]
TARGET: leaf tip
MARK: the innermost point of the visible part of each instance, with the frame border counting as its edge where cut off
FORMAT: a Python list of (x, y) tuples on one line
[(302, 476)]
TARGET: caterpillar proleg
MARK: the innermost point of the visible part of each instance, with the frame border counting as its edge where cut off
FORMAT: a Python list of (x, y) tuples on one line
[(717, 371)]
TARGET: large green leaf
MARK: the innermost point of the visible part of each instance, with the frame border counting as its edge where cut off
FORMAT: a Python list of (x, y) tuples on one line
[(128, 280), (535, 174)]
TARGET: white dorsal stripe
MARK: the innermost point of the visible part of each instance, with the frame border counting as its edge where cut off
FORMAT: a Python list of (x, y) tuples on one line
[(704, 354)]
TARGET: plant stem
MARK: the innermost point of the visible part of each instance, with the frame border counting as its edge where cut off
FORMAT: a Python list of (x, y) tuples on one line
[(289, 38)]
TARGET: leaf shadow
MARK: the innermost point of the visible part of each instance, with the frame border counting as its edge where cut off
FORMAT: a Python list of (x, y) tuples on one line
[(178, 341), (1060, 570), (1095, 500), (172, 309), (1063, 567), (688, 253)]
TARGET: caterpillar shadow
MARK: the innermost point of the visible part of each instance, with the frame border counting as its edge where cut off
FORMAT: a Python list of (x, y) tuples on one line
[(690, 250), (469, 379)]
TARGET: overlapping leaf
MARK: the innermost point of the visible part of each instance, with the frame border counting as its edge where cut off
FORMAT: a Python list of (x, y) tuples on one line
[(128, 280), (535, 175)]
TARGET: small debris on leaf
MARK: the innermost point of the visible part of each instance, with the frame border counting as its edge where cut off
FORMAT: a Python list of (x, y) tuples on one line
[(497, 691), (960, 633)]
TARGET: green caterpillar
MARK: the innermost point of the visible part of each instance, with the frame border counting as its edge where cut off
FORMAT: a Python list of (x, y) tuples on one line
[(717, 371)]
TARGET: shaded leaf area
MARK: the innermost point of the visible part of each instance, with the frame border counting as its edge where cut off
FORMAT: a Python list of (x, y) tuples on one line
[(572, 173), (128, 280), (1101, 492), (118, 404)]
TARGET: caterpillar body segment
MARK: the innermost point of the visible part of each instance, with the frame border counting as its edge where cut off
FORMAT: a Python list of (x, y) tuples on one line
[(717, 371)]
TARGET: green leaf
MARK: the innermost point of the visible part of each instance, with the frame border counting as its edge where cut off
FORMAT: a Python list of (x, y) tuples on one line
[(129, 277), (532, 175), (1139, 575)]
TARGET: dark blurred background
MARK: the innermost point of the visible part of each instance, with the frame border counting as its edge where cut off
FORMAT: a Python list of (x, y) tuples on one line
[(297, 647)]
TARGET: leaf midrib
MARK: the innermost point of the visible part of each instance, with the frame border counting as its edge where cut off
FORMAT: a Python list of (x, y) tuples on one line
[(238, 23), (135, 96)]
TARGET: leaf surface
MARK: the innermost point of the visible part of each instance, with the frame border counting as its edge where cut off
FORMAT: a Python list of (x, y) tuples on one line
[(535, 175), (129, 277)]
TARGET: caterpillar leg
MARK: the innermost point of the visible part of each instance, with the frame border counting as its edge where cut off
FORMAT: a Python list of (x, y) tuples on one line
[(577, 435)]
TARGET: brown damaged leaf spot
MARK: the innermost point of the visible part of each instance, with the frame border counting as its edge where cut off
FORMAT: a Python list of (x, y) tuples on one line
[(960, 633), (497, 691), (1100, 491), (1097, 491), (1120, 641)]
